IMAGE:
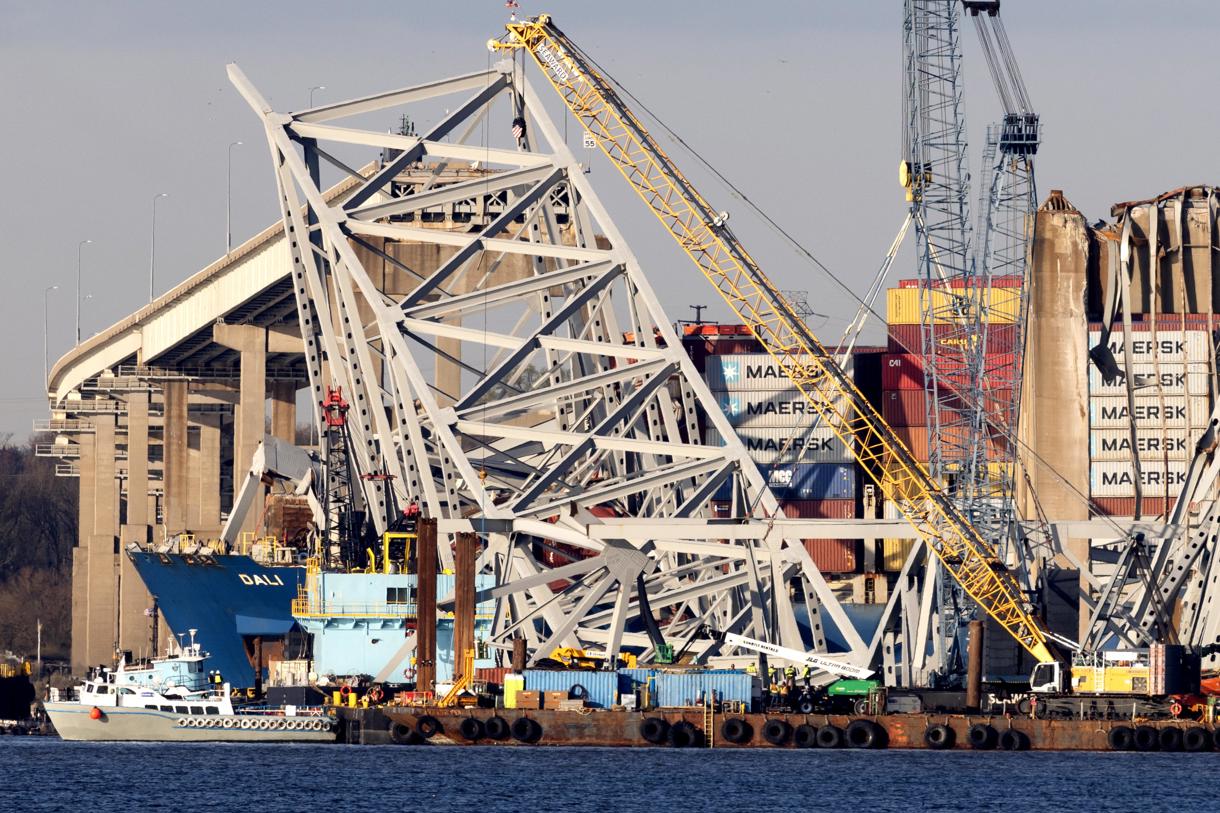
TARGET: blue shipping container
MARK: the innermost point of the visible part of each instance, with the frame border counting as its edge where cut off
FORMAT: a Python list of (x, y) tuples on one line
[(805, 481), (629, 680), (692, 688), (601, 688)]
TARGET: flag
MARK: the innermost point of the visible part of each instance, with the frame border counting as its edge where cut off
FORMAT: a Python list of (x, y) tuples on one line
[(519, 128)]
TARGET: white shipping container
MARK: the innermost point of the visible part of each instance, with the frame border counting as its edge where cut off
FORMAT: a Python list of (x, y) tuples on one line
[(1117, 479), (1151, 411), (1169, 379), (819, 445), (1164, 345), (766, 408), (746, 372), (1152, 444)]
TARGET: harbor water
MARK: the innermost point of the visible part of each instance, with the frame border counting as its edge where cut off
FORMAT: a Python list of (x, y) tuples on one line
[(45, 774)]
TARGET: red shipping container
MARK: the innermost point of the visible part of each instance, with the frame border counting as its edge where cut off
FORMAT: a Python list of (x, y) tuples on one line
[(832, 555), (1007, 281), (1150, 507), (733, 347), (715, 330), (909, 338), (901, 371), (904, 408), (916, 439), (491, 674), (904, 371), (1165, 321), (908, 407), (819, 509)]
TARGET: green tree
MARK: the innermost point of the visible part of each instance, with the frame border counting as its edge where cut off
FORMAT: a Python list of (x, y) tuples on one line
[(38, 517)]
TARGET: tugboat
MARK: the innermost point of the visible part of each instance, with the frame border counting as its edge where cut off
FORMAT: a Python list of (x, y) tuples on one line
[(172, 699)]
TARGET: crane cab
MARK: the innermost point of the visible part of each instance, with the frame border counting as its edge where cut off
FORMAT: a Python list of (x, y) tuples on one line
[(1047, 678)]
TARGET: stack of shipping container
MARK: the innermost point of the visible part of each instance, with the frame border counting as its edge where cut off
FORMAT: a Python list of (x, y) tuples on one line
[(815, 477), (903, 396), (1172, 386)]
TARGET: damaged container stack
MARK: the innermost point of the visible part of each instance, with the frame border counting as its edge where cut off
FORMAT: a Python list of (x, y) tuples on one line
[(903, 395), (1169, 398), (808, 468)]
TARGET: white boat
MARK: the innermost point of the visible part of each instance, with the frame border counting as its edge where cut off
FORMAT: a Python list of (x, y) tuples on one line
[(171, 699)]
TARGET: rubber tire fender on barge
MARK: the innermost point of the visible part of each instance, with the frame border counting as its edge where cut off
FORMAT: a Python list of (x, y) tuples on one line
[(471, 729), (683, 735), (1170, 739), (1196, 739), (777, 732), (526, 729), (982, 737), (805, 736), (497, 728), (428, 726), (939, 737), (1121, 738), (736, 730), (830, 736), (1146, 738), (865, 734), (401, 734), (1013, 740), (654, 729)]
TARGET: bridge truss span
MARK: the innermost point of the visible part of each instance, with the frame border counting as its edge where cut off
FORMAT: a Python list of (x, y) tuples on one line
[(521, 375)]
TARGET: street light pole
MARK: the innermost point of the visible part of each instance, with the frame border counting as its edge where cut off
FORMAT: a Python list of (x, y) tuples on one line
[(79, 246), (46, 324), (229, 202), (311, 90), (152, 255)]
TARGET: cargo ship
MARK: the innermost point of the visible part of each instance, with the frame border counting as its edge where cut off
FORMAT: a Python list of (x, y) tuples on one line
[(242, 608)]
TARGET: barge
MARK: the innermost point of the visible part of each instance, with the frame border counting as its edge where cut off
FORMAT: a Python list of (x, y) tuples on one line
[(704, 728)]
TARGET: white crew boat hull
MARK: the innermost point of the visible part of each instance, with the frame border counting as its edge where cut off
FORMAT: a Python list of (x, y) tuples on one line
[(73, 721)]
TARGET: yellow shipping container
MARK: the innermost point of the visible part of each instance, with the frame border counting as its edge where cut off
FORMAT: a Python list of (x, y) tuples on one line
[(908, 490), (903, 305), (512, 685), (894, 553)]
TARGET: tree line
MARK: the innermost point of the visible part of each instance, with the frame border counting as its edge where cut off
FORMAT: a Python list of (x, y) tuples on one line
[(38, 521)]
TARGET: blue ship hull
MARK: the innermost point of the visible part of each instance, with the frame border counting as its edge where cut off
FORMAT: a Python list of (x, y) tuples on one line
[(225, 598)]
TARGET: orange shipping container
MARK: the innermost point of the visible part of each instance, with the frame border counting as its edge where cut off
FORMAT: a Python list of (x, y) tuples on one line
[(1150, 507), (819, 509), (833, 555)]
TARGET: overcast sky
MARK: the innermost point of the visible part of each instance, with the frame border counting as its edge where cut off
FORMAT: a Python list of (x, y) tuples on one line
[(108, 104)]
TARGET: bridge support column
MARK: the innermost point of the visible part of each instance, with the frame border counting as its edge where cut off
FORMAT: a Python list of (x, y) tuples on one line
[(250, 414), (177, 493), (136, 528), (284, 410), (81, 654), (102, 622), (208, 495)]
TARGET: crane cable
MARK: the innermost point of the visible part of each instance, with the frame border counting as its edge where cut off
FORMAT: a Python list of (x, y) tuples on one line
[(804, 251)]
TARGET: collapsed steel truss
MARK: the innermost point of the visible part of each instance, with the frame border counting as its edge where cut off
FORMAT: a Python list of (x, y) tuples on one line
[(569, 398)]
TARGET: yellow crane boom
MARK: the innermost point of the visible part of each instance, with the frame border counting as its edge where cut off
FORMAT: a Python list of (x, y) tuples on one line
[(707, 240)]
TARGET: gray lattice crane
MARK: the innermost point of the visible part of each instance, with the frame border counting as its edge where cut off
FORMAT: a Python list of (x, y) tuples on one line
[(934, 171), (1003, 257)]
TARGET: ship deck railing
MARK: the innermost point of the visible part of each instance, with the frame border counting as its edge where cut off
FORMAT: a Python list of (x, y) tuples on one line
[(307, 608)]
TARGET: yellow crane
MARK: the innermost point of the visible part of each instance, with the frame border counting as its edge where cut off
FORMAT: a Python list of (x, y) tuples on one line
[(706, 238)]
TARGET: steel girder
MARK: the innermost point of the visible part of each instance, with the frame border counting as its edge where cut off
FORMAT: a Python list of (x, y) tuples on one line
[(569, 394)]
